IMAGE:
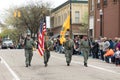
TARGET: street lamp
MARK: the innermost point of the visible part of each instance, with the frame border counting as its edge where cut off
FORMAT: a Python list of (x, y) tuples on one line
[(101, 15)]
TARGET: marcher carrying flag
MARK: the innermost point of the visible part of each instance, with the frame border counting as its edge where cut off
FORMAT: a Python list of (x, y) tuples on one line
[(66, 26), (41, 34)]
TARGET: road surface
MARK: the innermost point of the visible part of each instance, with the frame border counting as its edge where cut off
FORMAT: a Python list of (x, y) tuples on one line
[(12, 67)]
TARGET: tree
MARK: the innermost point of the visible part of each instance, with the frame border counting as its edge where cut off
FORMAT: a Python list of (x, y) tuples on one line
[(30, 17), (11, 33), (2, 25)]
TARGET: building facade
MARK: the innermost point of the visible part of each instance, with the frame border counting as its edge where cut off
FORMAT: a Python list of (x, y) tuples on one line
[(91, 13), (59, 14), (104, 18)]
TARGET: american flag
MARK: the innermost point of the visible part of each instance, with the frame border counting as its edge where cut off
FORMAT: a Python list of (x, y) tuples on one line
[(41, 33)]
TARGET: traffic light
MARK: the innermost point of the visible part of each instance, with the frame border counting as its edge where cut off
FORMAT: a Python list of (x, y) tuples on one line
[(17, 13)]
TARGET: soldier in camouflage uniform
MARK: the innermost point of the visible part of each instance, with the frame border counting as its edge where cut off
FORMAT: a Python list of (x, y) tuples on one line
[(85, 47), (47, 48), (28, 46), (68, 45)]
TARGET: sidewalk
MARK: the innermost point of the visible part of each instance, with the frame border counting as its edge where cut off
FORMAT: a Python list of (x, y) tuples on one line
[(94, 62)]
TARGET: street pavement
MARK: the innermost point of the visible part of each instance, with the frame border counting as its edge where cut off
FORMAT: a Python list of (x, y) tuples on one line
[(12, 67)]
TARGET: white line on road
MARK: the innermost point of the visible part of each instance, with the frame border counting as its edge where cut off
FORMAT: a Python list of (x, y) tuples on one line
[(11, 71), (100, 68)]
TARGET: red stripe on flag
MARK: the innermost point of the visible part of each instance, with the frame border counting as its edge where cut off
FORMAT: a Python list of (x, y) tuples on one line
[(41, 40)]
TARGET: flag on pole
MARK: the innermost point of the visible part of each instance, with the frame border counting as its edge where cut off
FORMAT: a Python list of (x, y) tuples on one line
[(66, 26), (41, 33)]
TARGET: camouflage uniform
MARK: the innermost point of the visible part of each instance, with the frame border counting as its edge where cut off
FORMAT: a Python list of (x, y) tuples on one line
[(68, 45), (29, 43), (47, 47), (85, 50)]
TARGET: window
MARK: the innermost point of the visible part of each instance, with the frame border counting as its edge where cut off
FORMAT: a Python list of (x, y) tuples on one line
[(55, 22), (98, 4), (62, 18), (114, 1), (98, 1), (65, 16), (77, 16), (92, 5), (105, 2), (59, 20)]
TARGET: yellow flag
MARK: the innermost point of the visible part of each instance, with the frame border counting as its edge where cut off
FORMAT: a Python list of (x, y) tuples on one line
[(66, 26), (62, 40)]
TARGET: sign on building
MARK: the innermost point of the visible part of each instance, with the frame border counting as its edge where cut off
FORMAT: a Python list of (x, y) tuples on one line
[(47, 21)]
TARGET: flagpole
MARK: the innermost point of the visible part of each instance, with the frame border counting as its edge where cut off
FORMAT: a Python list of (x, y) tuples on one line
[(44, 21), (70, 20), (44, 16)]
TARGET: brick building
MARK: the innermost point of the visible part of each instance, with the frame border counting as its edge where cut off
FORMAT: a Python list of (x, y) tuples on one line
[(104, 18)]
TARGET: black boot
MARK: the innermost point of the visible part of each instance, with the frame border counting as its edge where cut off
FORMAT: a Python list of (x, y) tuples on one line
[(85, 64), (26, 65), (68, 64), (29, 64), (46, 65)]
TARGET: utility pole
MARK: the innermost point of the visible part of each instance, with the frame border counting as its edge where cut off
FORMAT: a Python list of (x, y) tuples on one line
[(101, 15), (70, 20)]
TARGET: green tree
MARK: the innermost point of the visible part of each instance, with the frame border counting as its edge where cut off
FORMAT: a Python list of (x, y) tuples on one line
[(11, 33), (30, 16)]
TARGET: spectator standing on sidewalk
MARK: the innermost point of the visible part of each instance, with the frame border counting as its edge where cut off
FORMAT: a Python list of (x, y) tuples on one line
[(95, 49), (60, 46), (101, 47)]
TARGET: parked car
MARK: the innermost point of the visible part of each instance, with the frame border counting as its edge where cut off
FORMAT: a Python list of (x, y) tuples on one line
[(7, 44)]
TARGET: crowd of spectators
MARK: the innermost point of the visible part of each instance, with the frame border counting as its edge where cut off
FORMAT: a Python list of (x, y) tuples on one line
[(108, 50), (105, 49)]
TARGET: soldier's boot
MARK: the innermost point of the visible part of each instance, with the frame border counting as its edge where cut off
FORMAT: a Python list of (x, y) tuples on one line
[(68, 64), (29, 64), (26, 65), (85, 64), (46, 65)]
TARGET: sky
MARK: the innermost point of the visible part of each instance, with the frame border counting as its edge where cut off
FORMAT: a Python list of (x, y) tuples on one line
[(6, 4)]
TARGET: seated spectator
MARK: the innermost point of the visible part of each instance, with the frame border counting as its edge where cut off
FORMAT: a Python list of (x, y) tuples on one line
[(109, 53), (117, 56)]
